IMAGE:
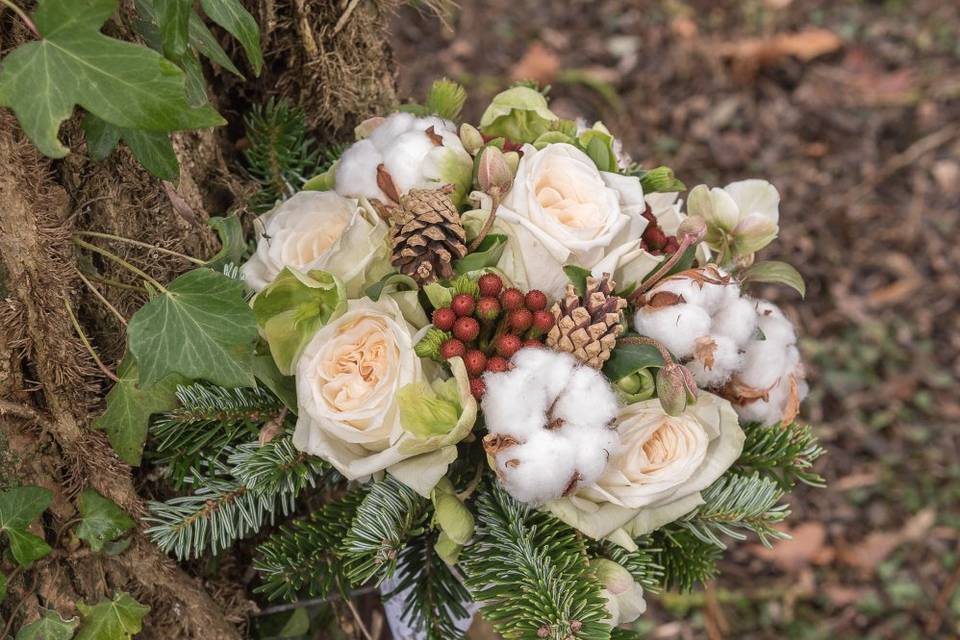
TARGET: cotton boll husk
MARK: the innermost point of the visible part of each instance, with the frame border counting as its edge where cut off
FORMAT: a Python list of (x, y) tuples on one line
[(540, 469), (770, 411), (690, 290), (726, 359), (677, 327), (737, 321)]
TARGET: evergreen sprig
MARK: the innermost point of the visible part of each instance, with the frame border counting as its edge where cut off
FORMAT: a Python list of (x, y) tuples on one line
[(390, 514), (208, 422), (529, 571), (303, 557), (786, 453), (735, 504), (436, 593), (686, 559), (641, 563), (276, 467)]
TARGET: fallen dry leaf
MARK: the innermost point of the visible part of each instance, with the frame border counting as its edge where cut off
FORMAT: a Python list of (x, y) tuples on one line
[(807, 545), (751, 54), (538, 64), (867, 554)]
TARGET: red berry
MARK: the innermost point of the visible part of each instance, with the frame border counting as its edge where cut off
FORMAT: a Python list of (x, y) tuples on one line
[(536, 300), (452, 348), (532, 343), (488, 309), (444, 318), (511, 299), (654, 237), (496, 364), (463, 304), (478, 387), (542, 322), (467, 329), (508, 344), (490, 285), (475, 362), (520, 320)]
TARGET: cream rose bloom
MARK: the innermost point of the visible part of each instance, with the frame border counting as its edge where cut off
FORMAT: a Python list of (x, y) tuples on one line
[(663, 464), (320, 230), (562, 210)]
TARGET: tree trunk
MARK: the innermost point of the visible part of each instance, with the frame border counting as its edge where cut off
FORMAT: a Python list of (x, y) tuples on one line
[(51, 388)]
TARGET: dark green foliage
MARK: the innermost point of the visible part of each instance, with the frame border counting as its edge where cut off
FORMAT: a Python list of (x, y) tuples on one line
[(529, 571), (303, 558), (436, 596), (785, 454), (686, 559), (390, 514)]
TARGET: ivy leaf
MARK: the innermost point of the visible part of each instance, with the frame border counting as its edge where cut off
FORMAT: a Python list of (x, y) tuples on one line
[(630, 358), (126, 84), (129, 407), (101, 521), (50, 626), (231, 15), (102, 137), (117, 619), (173, 18), (232, 243), (19, 507), (152, 148), (487, 254), (206, 43), (199, 327), (775, 272)]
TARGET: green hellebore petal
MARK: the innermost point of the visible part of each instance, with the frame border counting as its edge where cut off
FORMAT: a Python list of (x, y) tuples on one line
[(520, 114), (425, 413)]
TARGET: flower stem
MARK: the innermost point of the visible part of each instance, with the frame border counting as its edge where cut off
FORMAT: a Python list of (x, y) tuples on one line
[(23, 16), (86, 343), (145, 245), (488, 224), (101, 298), (664, 269), (123, 263)]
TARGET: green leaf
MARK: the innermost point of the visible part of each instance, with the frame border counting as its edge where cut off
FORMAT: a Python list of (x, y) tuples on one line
[(101, 521), (684, 263), (292, 308), (487, 254), (19, 507), (284, 387), (232, 243), (231, 15), (629, 358), (661, 180), (50, 626), (577, 277), (438, 295), (195, 84), (599, 146), (200, 327), (206, 43), (116, 619), (123, 83), (445, 99), (102, 137), (3, 587), (154, 151), (173, 17), (129, 407), (775, 272), (393, 281)]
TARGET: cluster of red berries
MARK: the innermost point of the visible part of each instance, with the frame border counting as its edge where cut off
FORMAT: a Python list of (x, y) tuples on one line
[(654, 240), (488, 329)]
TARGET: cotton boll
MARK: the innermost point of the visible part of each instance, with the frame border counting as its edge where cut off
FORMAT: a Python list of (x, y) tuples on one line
[(384, 136), (600, 406), (774, 325), (593, 450), (540, 469), (715, 359), (677, 327), (402, 161), (551, 369), (691, 291), (737, 320), (356, 173), (502, 411)]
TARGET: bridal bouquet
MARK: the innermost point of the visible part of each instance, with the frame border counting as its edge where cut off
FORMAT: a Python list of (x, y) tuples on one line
[(495, 363)]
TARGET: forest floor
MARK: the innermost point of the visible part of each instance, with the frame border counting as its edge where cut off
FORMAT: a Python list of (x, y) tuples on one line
[(852, 109)]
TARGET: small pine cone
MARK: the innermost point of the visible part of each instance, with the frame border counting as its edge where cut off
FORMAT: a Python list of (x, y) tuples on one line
[(427, 235), (588, 327)]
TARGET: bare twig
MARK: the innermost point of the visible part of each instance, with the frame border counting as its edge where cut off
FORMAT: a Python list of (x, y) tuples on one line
[(342, 22), (145, 245), (123, 263), (23, 16)]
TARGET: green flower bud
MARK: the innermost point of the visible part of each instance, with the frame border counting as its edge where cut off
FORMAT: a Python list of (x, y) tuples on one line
[(513, 161), (676, 388), (625, 602), (661, 180), (636, 387), (447, 549), (493, 173), (519, 114), (429, 344), (471, 138)]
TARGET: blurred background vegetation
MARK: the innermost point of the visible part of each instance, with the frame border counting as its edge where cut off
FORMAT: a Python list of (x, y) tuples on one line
[(852, 109)]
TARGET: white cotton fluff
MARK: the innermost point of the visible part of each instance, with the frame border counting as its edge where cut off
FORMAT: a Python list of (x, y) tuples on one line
[(715, 359), (736, 320), (408, 154), (676, 327), (559, 414)]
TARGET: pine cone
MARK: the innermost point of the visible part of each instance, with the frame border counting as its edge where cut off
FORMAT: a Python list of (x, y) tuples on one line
[(588, 327), (427, 235)]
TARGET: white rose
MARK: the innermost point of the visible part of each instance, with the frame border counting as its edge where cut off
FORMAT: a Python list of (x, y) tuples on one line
[(320, 230), (562, 210), (415, 153), (349, 379), (663, 464)]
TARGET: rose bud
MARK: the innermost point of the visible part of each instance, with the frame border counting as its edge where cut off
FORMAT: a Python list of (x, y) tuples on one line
[(493, 173)]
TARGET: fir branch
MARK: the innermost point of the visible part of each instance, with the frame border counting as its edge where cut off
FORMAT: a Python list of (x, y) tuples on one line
[(209, 421), (625, 634), (642, 563), (436, 594), (785, 454), (529, 571), (686, 559), (275, 467), (390, 514), (302, 558), (736, 503)]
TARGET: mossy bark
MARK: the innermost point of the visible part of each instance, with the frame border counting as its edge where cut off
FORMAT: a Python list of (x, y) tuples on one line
[(51, 389)]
